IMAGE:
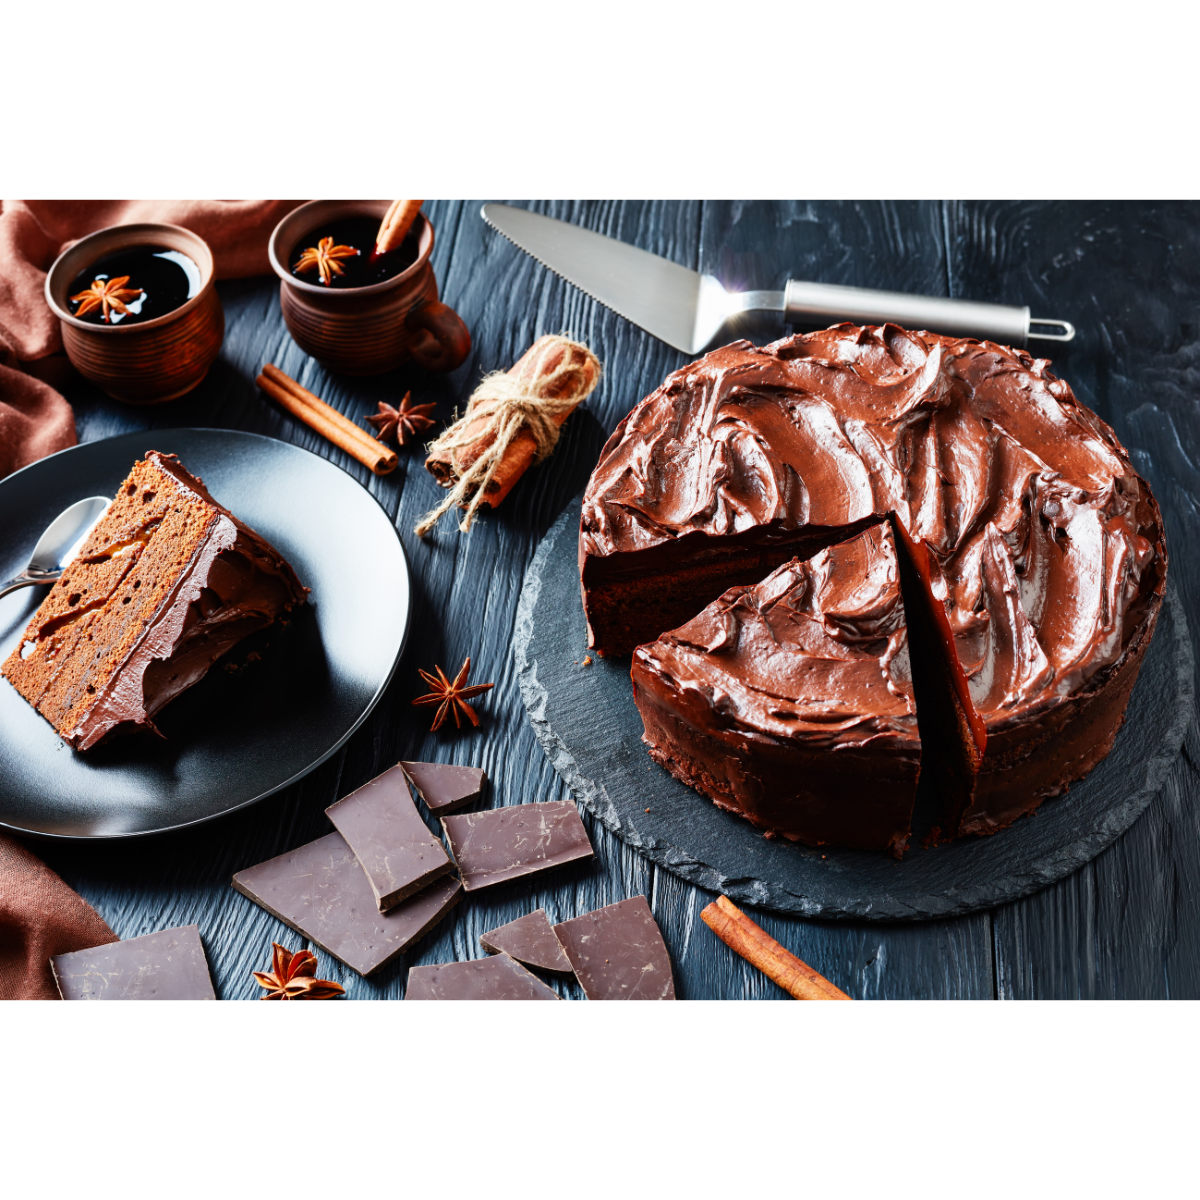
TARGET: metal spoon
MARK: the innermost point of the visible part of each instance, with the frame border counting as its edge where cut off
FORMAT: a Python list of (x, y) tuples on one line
[(57, 547)]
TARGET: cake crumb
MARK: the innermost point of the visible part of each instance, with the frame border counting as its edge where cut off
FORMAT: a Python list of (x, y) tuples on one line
[(587, 662), (647, 810)]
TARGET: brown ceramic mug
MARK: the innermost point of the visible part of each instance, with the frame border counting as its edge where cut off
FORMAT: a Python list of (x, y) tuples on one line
[(150, 362), (367, 330)]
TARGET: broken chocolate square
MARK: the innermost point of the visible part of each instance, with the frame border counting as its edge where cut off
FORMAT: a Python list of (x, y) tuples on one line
[(168, 965), (497, 978), (507, 843), (530, 940), (321, 892), (389, 838), (618, 953), (443, 787)]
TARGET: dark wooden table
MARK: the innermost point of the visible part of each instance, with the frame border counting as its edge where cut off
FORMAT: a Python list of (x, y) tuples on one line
[(1128, 276)]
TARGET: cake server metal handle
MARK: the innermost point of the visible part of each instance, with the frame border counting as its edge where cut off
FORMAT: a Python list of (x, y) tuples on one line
[(808, 303), (62, 540), (688, 310)]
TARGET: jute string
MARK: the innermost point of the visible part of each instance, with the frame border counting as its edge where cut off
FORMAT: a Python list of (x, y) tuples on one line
[(525, 403)]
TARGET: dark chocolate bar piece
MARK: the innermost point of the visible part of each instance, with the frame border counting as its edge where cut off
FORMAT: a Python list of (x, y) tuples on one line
[(530, 940), (445, 788), (321, 892), (507, 843), (496, 978), (618, 953), (168, 965), (381, 825)]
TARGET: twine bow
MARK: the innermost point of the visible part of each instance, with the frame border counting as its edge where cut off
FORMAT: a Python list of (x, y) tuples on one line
[(527, 401)]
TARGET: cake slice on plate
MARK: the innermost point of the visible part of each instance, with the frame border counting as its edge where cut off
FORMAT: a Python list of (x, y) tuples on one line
[(166, 583), (791, 701)]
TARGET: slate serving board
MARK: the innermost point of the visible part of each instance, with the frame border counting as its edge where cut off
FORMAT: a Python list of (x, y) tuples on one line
[(586, 721)]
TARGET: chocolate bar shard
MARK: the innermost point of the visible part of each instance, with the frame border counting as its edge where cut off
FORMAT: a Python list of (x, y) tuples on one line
[(530, 940), (500, 844), (168, 965), (443, 787), (496, 978), (321, 892), (618, 953), (389, 838)]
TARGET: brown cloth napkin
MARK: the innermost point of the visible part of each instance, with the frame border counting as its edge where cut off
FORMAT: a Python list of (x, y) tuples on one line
[(35, 420), (39, 917)]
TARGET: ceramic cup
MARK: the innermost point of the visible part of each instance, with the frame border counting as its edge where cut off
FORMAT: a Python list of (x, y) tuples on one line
[(367, 330), (156, 360)]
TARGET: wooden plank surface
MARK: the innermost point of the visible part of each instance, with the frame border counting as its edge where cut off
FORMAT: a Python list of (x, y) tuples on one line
[(1129, 276)]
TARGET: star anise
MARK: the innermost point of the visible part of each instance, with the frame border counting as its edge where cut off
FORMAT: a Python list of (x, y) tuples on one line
[(452, 697), (325, 257), (106, 295), (401, 423), (293, 977)]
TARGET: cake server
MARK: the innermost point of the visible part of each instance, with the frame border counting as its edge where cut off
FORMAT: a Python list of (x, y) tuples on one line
[(688, 310), (58, 545)]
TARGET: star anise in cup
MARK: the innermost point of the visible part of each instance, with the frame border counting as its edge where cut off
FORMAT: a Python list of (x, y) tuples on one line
[(293, 977), (399, 424), (325, 258), (108, 295), (452, 697)]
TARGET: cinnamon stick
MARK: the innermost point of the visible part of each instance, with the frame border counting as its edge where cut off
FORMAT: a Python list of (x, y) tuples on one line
[(761, 950), (327, 421), (553, 367), (396, 223)]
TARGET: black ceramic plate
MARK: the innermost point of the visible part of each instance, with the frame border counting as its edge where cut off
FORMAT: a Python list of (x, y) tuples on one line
[(587, 723), (231, 739)]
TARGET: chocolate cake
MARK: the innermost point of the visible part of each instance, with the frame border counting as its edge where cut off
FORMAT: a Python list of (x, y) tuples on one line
[(791, 701), (167, 583), (1031, 555)]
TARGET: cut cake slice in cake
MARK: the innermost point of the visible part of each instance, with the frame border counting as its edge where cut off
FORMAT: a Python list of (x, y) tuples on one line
[(166, 583), (791, 701)]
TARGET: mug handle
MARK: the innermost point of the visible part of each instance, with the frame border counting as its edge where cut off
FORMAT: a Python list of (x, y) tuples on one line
[(440, 339)]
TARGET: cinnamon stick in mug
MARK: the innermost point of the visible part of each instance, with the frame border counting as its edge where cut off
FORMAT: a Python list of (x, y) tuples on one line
[(396, 223)]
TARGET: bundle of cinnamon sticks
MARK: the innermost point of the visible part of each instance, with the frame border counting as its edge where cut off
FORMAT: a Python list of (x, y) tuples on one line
[(511, 421)]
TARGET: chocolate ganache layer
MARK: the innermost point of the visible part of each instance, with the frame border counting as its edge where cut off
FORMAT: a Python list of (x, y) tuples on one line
[(166, 584), (1032, 555)]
